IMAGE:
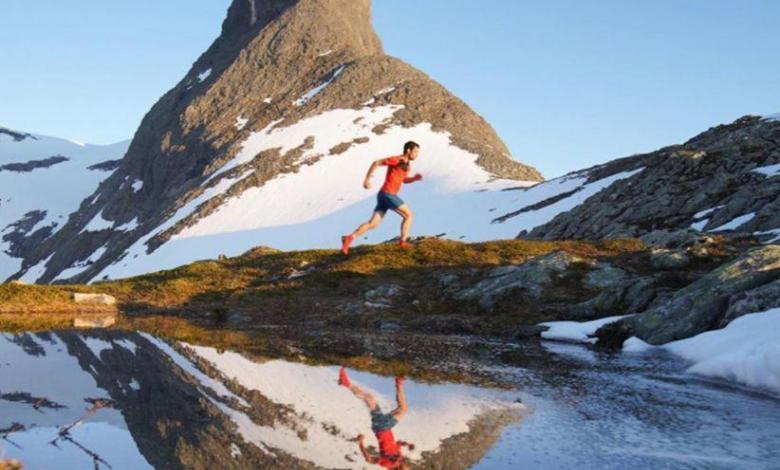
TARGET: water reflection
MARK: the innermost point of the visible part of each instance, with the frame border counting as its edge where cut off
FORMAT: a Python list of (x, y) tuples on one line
[(390, 453), (112, 399)]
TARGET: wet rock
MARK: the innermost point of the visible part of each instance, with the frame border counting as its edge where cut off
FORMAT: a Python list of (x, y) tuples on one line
[(446, 280), (97, 299), (702, 305), (756, 300), (531, 277), (389, 327), (669, 259), (605, 276), (640, 294)]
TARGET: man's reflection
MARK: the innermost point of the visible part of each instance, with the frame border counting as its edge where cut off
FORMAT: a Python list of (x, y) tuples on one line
[(390, 455)]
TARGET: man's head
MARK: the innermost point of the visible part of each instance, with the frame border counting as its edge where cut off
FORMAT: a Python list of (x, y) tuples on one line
[(411, 150)]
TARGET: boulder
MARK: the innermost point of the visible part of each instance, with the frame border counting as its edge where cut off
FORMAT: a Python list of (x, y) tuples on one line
[(97, 299), (605, 276), (532, 277), (671, 238), (759, 299), (702, 305), (661, 258)]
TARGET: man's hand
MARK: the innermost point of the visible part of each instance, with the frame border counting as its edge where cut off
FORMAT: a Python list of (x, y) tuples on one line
[(367, 183), (361, 438), (412, 179)]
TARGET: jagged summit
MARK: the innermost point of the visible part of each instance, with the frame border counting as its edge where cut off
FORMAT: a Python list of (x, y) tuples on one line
[(348, 19)]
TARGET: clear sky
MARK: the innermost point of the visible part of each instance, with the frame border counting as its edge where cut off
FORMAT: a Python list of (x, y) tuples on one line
[(566, 83)]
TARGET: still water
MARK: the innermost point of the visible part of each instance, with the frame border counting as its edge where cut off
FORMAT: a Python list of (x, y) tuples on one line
[(114, 399)]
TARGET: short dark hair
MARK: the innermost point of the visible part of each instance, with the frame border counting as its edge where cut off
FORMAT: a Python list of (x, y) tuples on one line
[(411, 145)]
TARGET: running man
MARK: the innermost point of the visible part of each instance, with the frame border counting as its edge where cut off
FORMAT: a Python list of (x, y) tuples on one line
[(390, 455), (398, 168)]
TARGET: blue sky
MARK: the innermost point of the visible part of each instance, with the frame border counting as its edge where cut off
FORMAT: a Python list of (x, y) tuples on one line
[(566, 83)]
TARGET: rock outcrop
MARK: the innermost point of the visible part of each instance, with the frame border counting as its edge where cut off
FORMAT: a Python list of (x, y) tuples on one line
[(724, 180), (745, 285)]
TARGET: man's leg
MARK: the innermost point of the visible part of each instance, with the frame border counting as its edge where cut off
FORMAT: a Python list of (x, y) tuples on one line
[(400, 398), (407, 216), (367, 398), (372, 223)]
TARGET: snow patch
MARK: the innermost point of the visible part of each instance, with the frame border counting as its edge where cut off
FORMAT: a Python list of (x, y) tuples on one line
[(35, 272), (577, 332), (79, 266), (127, 344), (313, 92), (775, 232), (97, 346), (769, 171), (235, 451), (267, 100), (137, 185), (709, 211), (747, 351), (241, 122), (699, 226), (97, 224), (129, 226), (204, 75), (735, 223)]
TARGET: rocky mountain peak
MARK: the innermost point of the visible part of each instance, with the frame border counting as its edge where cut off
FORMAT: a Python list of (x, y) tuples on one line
[(348, 19)]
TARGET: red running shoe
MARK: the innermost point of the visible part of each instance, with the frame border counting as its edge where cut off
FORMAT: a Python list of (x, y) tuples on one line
[(346, 240), (404, 244), (399, 381), (343, 379)]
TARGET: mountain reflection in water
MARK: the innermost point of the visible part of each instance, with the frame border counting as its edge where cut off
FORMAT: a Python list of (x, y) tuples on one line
[(112, 399)]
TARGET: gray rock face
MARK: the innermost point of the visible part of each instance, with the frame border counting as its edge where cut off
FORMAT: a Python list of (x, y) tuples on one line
[(531, 277), (704, 183), (605, 275), (755, 300), (704, 304)]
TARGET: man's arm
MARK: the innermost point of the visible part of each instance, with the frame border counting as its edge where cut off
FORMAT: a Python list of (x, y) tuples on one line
[(364, 451), (376, 164)]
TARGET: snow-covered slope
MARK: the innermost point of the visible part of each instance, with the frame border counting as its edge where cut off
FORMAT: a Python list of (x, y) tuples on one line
[(324, 199), (38, 192)]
